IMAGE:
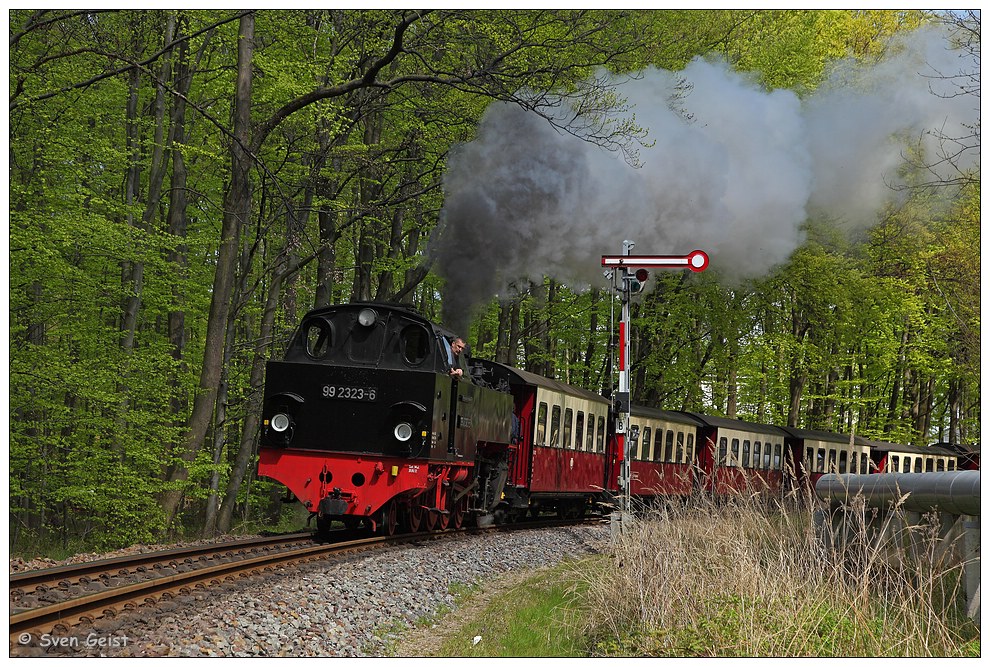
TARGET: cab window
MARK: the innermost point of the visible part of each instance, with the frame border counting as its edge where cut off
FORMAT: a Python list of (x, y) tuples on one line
[(414, 343), (319, 338)]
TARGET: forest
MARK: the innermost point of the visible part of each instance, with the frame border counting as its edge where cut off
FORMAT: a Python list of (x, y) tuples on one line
[(185, 184)]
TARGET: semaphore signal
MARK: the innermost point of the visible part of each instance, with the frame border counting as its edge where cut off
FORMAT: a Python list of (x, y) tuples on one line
[(632, 271)]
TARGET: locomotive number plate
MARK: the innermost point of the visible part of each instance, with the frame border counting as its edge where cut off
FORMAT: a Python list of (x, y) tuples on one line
[(347, 393)]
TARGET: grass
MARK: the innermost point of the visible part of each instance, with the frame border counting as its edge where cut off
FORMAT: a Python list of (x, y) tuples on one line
[(748, 579), (535, 618), (742, 579)]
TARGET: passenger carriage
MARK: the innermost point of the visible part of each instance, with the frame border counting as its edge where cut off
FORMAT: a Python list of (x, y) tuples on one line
[(898, 458), (816, 453), (663, 445), (736, 456), (559, 463)]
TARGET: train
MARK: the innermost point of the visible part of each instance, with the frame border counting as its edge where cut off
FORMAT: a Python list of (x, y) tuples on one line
[(365, 424)]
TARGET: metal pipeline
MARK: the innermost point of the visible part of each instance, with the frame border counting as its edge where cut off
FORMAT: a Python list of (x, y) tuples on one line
[(955, 492)]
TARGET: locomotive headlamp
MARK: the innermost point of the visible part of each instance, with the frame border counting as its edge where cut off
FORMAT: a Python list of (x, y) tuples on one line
[(403, 431), (280, 422), (367, 317)]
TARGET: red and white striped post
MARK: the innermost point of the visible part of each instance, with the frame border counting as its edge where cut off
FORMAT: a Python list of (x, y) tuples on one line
[(696, 261)]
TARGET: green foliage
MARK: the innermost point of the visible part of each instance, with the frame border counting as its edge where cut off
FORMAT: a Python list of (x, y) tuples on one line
[(114, 240)]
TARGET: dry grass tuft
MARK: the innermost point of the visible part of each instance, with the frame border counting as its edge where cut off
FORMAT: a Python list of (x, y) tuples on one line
[(748, 578)]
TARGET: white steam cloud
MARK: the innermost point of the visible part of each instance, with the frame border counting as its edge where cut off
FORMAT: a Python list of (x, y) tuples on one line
[(736, 178)]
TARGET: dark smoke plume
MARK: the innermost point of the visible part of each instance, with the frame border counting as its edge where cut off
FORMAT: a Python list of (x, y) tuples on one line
[(732, 169)]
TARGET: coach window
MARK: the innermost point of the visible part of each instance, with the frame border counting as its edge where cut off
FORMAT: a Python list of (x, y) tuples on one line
[(864, 464), (939, 465), (831, 461), (601, 434), (690, 448), (541, 425), (852, 464), (734, 461), (767, 455), (820, 460), (929, 466), (568, 428), (591, 433), (843, 460), (668, 447), (555, 426), (809, 460), (776, 457), (647, 441), (895, 464), (679, 457), (745, 456), (757, 454), (319, 338), (579, 434), (723, 451)]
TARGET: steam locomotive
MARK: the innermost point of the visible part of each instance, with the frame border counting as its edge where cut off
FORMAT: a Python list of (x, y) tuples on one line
[(364, 423)]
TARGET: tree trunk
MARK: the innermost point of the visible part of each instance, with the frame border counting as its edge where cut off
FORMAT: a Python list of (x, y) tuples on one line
[(237, 210), (502, 341), (593, 343), (796, 387), (219, 435)]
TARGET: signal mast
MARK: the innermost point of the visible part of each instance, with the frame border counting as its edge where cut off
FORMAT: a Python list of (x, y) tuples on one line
[(632, 271)]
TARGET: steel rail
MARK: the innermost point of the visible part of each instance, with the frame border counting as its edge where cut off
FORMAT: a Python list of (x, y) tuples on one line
[(76, 571)]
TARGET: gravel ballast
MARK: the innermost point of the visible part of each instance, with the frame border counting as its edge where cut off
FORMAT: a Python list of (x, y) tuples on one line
[(358, 607)]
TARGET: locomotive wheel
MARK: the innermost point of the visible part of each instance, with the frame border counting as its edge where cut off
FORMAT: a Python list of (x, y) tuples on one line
[(431, 520), (414, 516), (457, 515), (388, 519)]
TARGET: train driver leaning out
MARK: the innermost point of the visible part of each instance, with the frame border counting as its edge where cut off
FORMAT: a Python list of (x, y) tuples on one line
[(456, 347)]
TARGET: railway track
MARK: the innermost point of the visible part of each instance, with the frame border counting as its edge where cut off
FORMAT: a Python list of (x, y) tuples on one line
[(50, 603)]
